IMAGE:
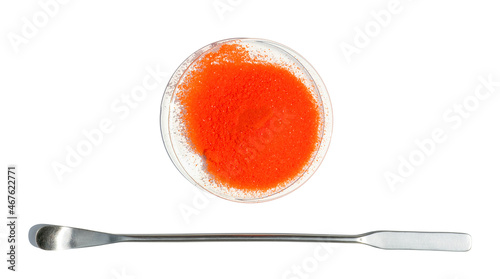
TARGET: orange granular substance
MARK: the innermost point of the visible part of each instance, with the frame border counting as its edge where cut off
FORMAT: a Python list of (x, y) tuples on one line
[(255, 123)]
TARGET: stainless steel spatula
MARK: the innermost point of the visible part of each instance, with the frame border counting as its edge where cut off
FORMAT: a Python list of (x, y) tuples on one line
[(52, 237)]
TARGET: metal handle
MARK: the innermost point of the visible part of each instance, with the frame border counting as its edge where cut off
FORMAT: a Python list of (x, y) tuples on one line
[(239, 237)]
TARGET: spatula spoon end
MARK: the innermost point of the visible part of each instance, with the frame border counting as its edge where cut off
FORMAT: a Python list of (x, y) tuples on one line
[(52, 237)]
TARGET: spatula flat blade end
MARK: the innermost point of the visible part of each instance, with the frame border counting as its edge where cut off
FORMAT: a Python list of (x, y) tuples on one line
[(429, 241)]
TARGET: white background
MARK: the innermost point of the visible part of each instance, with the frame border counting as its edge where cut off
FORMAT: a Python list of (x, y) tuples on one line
[(63, 78)]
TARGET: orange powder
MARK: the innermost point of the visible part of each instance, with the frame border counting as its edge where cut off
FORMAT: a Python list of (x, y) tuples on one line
[(254, 122)]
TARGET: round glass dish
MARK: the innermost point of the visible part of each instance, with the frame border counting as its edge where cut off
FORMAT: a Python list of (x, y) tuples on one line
[(192, 165)]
